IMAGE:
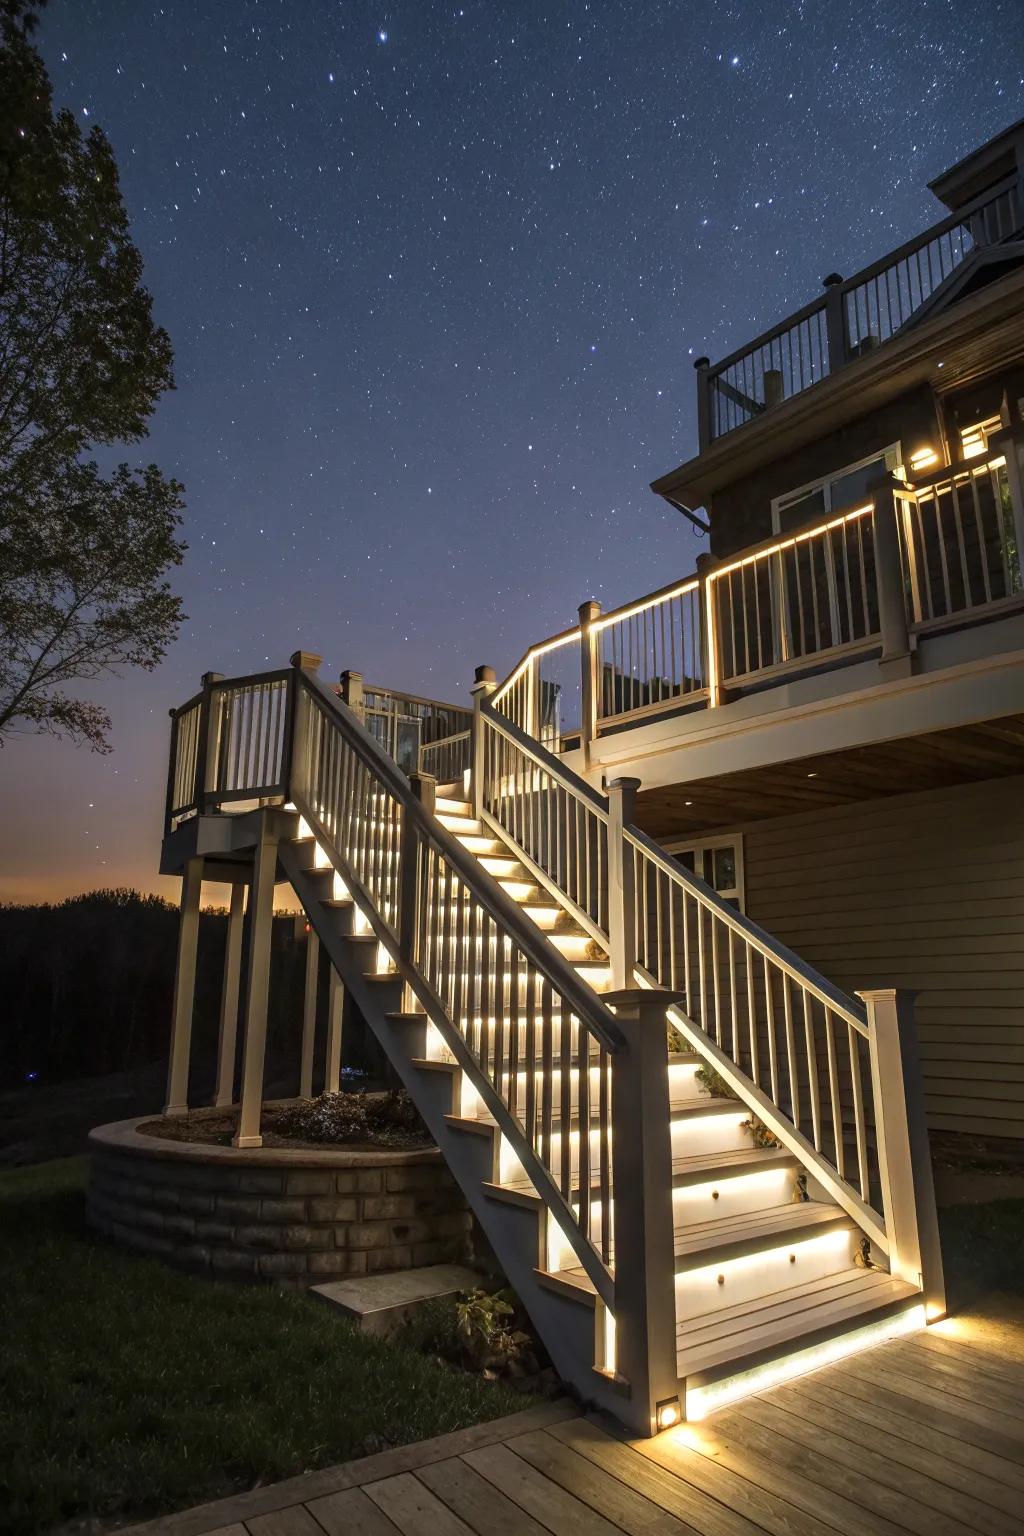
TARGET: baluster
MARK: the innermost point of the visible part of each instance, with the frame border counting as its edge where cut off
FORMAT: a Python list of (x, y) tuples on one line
[(813, 1083), (834, 1093)]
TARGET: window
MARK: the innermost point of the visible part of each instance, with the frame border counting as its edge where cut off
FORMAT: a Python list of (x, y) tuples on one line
[(974, 440), (718, 860), (840, 492)]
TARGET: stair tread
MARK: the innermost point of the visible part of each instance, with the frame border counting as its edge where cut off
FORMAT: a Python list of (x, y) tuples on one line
[(729, 1336), (700, 1168)]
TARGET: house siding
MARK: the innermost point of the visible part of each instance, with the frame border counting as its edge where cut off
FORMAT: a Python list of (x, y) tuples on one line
[(923, 891)]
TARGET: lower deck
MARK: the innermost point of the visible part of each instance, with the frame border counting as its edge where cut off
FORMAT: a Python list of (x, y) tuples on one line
[(923, 1435)]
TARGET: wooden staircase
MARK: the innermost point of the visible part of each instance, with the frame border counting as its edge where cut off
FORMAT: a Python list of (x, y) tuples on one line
[(668, 1258)]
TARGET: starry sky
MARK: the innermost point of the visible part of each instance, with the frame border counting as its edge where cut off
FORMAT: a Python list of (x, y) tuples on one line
[(435, 275)]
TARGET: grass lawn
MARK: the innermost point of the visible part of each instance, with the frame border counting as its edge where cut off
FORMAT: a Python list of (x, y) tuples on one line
[(127, 1389)]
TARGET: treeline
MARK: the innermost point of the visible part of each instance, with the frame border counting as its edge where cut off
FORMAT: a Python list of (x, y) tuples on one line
[(86, 987)]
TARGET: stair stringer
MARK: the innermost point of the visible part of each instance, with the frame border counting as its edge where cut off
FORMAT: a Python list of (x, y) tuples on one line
[(567, 1324)]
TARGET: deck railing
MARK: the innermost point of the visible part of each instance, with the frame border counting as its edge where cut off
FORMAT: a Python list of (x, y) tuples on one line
[(851, 317), (796, 1049), (228, 743), (942, 550), (447, 759)]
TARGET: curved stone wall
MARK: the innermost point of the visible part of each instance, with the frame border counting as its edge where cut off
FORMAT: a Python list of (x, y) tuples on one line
[(273, 1213)]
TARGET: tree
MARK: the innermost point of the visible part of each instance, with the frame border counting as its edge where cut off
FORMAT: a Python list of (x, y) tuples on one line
[(83, 554)]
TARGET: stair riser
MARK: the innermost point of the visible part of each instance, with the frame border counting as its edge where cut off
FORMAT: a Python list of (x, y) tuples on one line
[(723, 1132), (739, 1196), (679, 1078), (763, 1274)]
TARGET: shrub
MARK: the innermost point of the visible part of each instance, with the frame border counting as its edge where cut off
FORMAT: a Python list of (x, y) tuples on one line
[(385, 1119), (713, 1082)]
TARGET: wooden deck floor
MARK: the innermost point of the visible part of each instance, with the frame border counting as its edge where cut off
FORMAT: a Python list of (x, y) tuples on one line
[(922, 1435)]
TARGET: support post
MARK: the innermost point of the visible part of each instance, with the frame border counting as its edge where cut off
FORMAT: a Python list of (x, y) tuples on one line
[(230, 989), (257, 985), (896, 659), (645, 1301), (484, 685), (702, 364), (712, 658), (184, 989), (904, 1156), (335, 1018), (590, 675), (208, 743), (835, 322), (352, 692), (621, 889), (309, 1012), (1011, 443)]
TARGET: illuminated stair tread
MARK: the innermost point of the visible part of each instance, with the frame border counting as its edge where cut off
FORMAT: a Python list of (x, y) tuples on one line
[(731, 1337), (726, 1237), (705, 1167)]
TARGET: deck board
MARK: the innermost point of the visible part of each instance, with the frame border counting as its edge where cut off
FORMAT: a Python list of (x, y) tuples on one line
[(921, 1436)]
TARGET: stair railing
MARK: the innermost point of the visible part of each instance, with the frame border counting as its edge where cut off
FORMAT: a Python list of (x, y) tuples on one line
[(536, 1044), (831, 1078)]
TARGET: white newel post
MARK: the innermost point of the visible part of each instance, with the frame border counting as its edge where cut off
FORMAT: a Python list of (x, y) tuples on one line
[(896, 659), (184, 989), (230, 991), (309, 1013), (335, 1018), (904, 1156), (590, 677), (483, 686), (621, 890), (645, 1295), (257, 984)]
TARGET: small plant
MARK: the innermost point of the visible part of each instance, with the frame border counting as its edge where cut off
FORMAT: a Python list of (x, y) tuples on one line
[(475, 1331), (385, 1119), (760, 1133), (676, 1043), (713, 1083)]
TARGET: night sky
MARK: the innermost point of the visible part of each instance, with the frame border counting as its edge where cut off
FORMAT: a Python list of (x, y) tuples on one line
[(435, 275)]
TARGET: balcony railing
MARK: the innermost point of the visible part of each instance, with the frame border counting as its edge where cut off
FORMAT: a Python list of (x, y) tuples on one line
[(938, 553), (851, 317)]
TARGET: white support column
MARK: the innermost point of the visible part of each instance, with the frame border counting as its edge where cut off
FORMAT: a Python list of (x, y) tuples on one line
[(309, 1013), (904, 1156), (184, 989), (225, 1091), (621, 892), (645, 1297), (483, 686), (258, 982), (335, 1017)]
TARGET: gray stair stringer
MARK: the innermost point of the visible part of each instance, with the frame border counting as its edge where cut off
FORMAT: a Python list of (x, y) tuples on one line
[(565, 1323)]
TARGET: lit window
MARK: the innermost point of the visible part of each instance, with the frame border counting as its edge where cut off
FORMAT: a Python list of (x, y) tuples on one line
[(974, 440)]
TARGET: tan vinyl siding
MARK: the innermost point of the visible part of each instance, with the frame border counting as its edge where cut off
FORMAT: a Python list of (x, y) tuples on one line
[(923, 891)]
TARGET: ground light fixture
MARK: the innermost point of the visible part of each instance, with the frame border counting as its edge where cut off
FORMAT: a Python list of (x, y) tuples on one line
[(668, 1413)]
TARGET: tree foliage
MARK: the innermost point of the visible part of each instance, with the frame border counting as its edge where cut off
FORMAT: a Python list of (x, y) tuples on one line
[(83, 554)]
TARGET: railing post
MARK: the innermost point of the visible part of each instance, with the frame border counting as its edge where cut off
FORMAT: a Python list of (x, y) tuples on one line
[(904, 1156), (702, 365), (171, 772), (645, 1303), (424, 789), (621, 888), (301, 661), (835, 320), (207, 740), (484, 685), (352, 692), (1012, 446), (896, 659), (710, 631), (590, 683)]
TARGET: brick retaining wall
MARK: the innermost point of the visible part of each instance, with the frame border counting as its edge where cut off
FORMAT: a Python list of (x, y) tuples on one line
[(274, 1213)]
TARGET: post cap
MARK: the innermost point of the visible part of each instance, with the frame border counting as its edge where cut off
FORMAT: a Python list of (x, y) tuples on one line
[(624, 782), (638, 997), (348, 672), (589, 610), (833, 280), (484, 675), (702, 362), (309, 661), (211, 677)]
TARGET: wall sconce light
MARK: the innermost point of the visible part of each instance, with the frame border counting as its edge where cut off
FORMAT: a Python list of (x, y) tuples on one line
[(922, 459)]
